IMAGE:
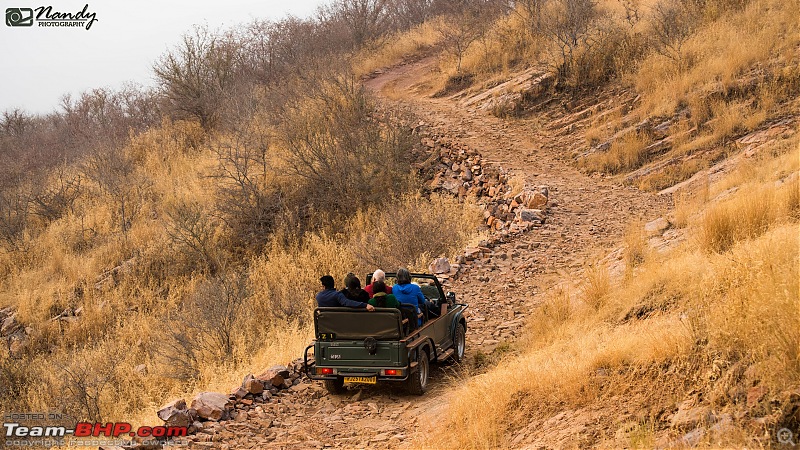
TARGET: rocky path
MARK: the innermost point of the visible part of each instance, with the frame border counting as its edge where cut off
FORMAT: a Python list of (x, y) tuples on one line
[(502, 285)]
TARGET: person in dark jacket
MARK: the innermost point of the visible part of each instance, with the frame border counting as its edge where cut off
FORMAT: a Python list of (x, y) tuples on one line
[(381, 299), (329, 296), (353, 289), (409, 293)]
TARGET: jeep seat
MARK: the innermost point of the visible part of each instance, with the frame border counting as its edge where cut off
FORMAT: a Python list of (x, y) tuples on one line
[(383, 324)]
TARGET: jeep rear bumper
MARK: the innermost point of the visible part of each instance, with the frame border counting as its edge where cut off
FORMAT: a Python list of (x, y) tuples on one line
[(380, 373)]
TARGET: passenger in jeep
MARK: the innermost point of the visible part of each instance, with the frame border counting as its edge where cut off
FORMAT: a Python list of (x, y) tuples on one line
[(409, 293), (381, 299), (329, 296), (378, 275), (353, 289)]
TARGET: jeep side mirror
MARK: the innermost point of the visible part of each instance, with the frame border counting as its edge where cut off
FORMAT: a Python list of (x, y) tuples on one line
[(451, 297)]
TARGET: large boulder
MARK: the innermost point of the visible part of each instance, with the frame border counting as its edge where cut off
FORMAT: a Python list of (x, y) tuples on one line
[(252, 385), (439, 265), (274, 376), (530, 215), (536, 201), (211, 405), (175, 414), (656, 227)]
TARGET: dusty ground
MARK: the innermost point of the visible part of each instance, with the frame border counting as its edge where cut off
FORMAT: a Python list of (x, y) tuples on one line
[(588, 216)]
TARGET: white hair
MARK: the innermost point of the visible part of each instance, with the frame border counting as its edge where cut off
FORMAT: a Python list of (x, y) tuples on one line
[(378, 275)]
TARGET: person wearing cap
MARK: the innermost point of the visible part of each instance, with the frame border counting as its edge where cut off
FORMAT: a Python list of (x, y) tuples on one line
[(329, 296)]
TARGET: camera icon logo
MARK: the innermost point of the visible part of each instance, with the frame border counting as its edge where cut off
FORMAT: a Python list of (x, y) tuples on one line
[(19, 17)]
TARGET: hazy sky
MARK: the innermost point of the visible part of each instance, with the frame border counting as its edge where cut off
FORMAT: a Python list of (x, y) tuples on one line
[(38, 65)]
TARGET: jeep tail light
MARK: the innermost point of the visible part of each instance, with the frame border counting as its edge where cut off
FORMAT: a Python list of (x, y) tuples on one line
[(324, 371), (391, 372)]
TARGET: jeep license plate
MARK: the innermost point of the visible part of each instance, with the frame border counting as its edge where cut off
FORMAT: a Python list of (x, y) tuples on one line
[(363, 380)]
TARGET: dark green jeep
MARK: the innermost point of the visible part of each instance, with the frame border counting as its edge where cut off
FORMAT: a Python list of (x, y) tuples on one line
[(359, 346)]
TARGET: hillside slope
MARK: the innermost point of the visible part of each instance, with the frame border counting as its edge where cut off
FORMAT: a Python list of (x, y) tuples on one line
[(571, 324)]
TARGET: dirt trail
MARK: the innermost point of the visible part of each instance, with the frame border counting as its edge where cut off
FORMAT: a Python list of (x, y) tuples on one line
[(586, 214)]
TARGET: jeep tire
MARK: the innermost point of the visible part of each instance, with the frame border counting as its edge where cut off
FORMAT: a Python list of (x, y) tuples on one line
[(459, 342), (335, 387), (418, 381)]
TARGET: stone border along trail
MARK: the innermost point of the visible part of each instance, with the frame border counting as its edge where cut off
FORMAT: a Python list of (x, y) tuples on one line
[(501, 283)]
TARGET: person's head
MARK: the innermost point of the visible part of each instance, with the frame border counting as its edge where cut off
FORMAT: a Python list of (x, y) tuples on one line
[(353, 283), (378, 286), (403, 276), (327, 281), (378, 275), (348, 279)]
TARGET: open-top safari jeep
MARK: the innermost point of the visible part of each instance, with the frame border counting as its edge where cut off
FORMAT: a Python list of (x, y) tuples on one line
[(358, 346)]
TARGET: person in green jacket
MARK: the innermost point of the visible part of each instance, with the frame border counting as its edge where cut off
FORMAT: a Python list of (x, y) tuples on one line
[(380, 298)]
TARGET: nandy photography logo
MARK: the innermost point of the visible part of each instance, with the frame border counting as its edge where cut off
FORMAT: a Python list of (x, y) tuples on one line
[(46, 16)]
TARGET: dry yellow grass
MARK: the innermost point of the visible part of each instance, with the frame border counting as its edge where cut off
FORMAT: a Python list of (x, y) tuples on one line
[(394, 49), (626, 153), (737, 302), (719, 53), (131, 318)]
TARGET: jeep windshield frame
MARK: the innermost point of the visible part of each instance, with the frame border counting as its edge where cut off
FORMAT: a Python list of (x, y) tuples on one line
[(433, 281)]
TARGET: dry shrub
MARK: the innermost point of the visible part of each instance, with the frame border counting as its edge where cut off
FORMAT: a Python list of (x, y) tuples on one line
[(755, 315), (339, 151), (401, 45), (596, 285), (285, 279), (672, 174), (554, 311), (411, 231), (636, 246), (507, 43), (626, 153), (714, 56), (746, 216), (685, 206)]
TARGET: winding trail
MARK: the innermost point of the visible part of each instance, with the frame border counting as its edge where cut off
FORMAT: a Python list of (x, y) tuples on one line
[(587, 217)]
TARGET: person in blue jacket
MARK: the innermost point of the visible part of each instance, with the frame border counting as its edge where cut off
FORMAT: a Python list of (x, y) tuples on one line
[(329, 296), (407, 292)]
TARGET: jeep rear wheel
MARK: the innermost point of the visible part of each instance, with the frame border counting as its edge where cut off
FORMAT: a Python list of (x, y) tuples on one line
[(418, 381), (335, 387), (459, 343)]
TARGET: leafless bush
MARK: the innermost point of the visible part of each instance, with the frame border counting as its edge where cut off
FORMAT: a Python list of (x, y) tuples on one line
[(416, 228), (15, 122), (86, 382), (191, 230), (364, 20), (196, 75), (272, 51), (459, 31), (570, 25), (116, 174), (101, 118), (342, 151), (207, 329), (14, 217), (673, 22), (245, 202), (56, 197)]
